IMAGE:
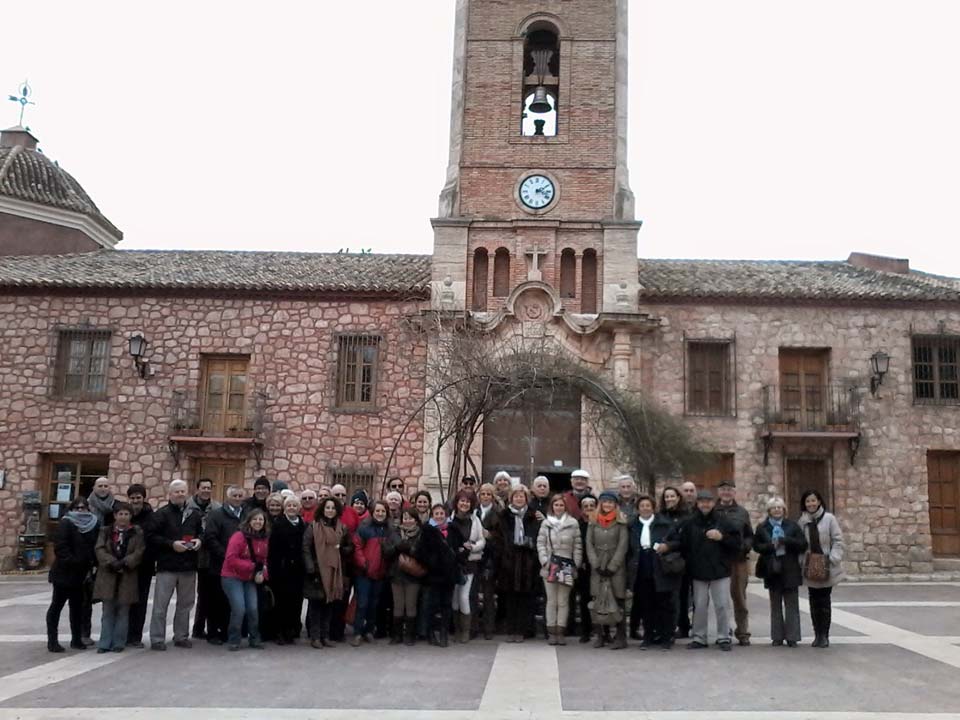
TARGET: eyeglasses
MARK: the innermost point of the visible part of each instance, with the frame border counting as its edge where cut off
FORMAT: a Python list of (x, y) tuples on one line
[(396, 487)]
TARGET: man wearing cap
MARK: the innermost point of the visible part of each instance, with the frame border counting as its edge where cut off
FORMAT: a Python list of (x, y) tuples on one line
[(709, 544), (580, 486), (739, 518)]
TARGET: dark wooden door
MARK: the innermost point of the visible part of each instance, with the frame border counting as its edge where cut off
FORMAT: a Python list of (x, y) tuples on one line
[(538, 434), (222, 473), (943, 478), (803, 381), (807, 474), (710, 477)]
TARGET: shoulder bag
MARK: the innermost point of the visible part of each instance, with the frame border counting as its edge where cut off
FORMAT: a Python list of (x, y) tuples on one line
[(817, 565)]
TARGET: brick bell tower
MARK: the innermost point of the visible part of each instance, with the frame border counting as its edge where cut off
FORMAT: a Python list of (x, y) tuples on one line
[(537, 191)]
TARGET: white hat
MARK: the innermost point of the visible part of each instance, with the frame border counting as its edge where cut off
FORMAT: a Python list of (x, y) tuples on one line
[(580, 473)]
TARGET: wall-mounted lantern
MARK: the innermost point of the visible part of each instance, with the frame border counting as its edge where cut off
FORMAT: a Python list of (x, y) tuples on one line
[(138, 348), (879, 364)]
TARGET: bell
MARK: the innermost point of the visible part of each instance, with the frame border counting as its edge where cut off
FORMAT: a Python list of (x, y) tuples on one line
[(541, 103)]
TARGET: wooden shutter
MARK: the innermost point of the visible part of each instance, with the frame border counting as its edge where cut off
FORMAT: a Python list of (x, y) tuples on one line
[(943, 482), (224, 396)]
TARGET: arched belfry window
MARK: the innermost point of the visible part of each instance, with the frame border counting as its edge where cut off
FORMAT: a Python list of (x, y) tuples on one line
[(480, 272), (568, 274), (588, 279), (541, 80), (501, 272)]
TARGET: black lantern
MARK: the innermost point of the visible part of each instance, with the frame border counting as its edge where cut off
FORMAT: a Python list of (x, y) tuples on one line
[(879, 364), (138, 348)]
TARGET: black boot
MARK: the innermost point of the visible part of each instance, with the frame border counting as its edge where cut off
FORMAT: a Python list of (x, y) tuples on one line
[(620, 639), (53, 643), (396, 632), (825, 619), (816, 617), (410, 631)]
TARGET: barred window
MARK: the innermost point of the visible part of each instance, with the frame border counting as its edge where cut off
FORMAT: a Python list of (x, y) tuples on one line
[(710, 380), (358, 360), (83, 357), (353, 479), (936, 369)]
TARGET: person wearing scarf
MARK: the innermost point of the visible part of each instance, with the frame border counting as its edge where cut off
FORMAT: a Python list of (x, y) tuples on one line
[(780, 543), (74, 558), (517, 563), (608, 538), (101, 501), (371, 571), (119, 551), (823, 535), (436, 555), (402, 540), (285, 560), (467, 540), (326, 547), (558, 540)]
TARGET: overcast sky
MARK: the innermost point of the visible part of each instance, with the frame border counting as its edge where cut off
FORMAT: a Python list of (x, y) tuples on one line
[(758, 128)]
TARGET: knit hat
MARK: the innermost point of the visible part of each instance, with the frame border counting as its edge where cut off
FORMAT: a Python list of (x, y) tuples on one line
[(279, 486), (261, 482), (359, 495), (609, 495)]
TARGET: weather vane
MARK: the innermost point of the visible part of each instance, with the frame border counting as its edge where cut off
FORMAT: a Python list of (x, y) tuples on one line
[(23, 99)]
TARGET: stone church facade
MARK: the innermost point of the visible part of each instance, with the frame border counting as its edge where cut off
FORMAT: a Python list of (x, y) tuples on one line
[(304, 367)]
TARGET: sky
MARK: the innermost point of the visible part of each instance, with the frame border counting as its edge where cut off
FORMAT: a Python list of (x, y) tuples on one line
[(758, 128)]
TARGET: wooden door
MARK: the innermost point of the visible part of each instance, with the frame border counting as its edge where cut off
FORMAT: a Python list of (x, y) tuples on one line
[(224, 396), (807, 474), (803, 384), (709, 478), (222, 473), (943, 478)]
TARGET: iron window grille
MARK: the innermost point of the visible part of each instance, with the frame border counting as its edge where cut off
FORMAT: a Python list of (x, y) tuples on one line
[(354, 479), (710, 376), (82, 360), (936, 369)]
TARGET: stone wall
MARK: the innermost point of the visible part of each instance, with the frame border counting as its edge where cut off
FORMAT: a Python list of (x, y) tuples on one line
[(291, 344)]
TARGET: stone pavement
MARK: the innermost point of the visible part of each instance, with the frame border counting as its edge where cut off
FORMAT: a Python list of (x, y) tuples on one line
[(895, 655)]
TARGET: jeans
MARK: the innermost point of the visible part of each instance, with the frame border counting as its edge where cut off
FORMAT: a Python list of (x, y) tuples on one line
[(368, 598), (242, 597), (739, 577), (558, 605), (718, 593), (113, 625), (61, 595), (185, 584)]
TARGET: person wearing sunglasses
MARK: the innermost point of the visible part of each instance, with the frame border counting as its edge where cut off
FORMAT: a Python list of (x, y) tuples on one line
[(74, 559)]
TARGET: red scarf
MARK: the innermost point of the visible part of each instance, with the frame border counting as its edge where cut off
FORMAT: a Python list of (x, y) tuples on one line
[(605, 520)]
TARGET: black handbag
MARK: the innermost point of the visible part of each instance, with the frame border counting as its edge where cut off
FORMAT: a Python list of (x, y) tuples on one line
[(769, 566), (672, 563)]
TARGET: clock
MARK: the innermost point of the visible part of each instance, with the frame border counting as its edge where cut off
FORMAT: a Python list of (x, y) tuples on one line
[(537, 191)]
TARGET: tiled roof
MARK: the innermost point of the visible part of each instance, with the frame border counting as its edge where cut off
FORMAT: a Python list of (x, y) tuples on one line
[(31, 176), (788, 280), (220, 270)]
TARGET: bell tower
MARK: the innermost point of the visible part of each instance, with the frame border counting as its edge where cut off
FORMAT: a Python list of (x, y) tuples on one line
[(537, 188)]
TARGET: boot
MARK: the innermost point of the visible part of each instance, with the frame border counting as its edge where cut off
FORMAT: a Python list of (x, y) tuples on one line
[(396, 632), (443, 636), (53, 643), (603, 636), (409, 631), (825, 619), (463, 628), (552, 635), (560, 635), (620, 640)]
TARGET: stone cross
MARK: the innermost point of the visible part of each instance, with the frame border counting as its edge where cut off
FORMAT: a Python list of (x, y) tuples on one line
[(533, 264)]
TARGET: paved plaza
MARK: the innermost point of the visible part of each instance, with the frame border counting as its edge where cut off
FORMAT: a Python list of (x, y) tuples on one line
[(895, 654)]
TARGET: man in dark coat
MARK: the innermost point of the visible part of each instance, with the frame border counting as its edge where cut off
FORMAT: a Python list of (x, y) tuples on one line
[(709, 544), (739, 518), (222, 523), (261, 488), (142, 513), (203, 503), (174, 535)]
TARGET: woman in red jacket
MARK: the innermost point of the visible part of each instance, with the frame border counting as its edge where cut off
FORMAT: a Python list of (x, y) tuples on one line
[(371, 571), (244, 568)]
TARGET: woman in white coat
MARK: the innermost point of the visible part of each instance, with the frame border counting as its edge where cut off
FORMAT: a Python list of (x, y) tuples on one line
[(560, 551), (824, 537), (467, 540)]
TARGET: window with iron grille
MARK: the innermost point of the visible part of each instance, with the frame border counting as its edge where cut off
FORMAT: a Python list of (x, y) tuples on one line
[(353, 480), (358, 360), (710, 380), (83, 356), (936, 369)]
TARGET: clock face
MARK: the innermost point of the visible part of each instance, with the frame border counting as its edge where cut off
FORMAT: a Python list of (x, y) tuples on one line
[(537, 192)]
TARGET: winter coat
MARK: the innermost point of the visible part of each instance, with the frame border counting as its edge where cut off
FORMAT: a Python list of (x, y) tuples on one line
[(435, 554), (169, 524), (239, 565), (475, 536), (74, 555), (831, 542), (220, 527), (663, 529), (285, 555), (739, 518), (607, 551), (396, 545), (121, 585), (564, 541), (203, 556), (795, 544), (312, 587), (142, 519), (517, 566), (368, 549), (708, 559)]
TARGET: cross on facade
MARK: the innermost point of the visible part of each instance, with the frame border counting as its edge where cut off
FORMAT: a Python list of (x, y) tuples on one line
[(533, 264)]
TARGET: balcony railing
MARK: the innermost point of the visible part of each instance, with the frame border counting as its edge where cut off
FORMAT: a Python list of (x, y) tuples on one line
[(811, 409), (190, 417)]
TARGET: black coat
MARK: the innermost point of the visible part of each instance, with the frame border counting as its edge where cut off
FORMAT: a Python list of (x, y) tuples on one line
[(74, 555), (708, 559), (221, 525), (142, 520), (394, 545), (169, 524), (662, 530), (285, 555), (518, 568), (795, 543), (435, 554)]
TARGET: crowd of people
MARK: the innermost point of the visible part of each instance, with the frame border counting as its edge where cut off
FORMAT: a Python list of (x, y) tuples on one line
[(497, 558)]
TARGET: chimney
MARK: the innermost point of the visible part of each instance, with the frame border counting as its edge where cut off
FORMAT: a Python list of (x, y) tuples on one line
[(18, 135), (881, 263)]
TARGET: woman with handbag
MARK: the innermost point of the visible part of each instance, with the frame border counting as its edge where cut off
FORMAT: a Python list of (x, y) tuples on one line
[(823, 563), (655, 575), (405, 575), (780, 542), (517, 566), (467, 540), (608, 538), (560, 551), (244, 571), (327, 550)]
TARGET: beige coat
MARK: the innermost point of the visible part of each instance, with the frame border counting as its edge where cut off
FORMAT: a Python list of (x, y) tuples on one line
[(120, 586), (607, 550), (831, 541), (564, 541)]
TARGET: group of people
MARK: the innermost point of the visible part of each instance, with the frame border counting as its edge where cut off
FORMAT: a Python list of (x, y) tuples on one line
[(493, 559)]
